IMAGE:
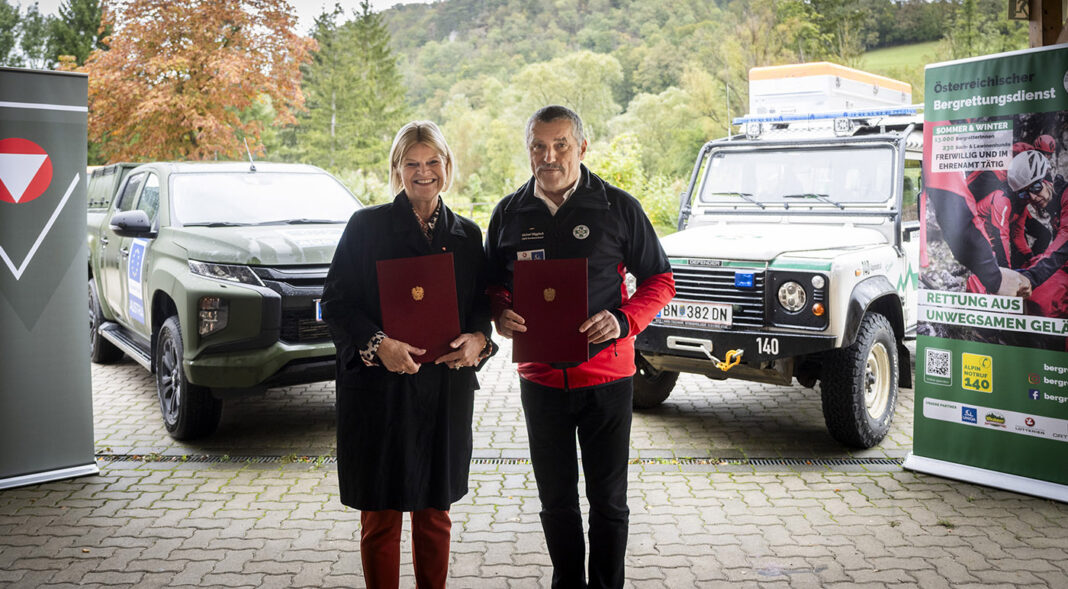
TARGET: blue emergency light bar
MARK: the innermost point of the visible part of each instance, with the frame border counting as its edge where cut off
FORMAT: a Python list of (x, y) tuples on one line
[(840, 114)]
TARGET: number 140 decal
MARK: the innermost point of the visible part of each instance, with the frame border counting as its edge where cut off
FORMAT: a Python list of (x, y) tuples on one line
[(768, 345)]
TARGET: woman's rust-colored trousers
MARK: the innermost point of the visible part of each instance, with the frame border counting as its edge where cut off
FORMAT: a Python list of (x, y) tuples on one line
[(380, 547)]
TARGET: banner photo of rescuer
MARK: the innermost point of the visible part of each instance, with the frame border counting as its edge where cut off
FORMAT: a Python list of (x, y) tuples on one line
[(1000, 231)]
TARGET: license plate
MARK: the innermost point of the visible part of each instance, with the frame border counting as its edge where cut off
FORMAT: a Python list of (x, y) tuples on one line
[(717, 314), (318, 309)]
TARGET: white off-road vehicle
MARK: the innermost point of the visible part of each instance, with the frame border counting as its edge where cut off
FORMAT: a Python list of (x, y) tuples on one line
[(794, 260)]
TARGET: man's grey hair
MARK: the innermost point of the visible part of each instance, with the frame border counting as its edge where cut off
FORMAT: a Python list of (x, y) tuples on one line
[(553, 112)]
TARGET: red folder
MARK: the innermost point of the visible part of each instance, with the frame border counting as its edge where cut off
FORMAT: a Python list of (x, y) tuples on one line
[(418, 300), (550, 295)]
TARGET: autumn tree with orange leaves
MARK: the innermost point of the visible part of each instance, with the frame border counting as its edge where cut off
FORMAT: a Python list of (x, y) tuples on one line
[(179, 76)]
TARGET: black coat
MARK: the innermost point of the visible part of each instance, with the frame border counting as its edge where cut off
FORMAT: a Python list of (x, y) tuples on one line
[(403, 441)]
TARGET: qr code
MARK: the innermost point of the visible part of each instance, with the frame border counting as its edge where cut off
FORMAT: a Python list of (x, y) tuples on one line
[(938, 362)]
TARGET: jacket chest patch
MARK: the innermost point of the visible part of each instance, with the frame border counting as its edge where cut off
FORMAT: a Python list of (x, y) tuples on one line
[(530, 255), (531, 235), (580, 232)]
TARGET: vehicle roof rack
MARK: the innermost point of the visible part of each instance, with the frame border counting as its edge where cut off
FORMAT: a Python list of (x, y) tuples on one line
[(866, 113)]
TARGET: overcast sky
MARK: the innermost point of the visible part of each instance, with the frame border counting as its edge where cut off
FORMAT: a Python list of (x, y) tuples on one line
[(306, 10)]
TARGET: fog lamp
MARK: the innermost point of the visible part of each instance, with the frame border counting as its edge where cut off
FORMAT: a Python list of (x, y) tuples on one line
[(213, 313)]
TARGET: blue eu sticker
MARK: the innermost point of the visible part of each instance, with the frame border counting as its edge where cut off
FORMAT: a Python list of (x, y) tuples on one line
[(135, 266), (969, 414), (743, 279)]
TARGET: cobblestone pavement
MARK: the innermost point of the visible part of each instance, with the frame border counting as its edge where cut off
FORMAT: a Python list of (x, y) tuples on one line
[(732, 483)]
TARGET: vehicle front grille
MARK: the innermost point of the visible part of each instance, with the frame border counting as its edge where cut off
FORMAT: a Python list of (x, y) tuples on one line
[(716, 285), (299, 287), (301, 326)]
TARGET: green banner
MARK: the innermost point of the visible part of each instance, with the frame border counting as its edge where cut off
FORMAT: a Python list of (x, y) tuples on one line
[(992, 346), (46, 417)]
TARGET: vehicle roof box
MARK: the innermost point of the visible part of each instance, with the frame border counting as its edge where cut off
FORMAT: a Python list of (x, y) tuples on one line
[(821, 86), (104, 181)]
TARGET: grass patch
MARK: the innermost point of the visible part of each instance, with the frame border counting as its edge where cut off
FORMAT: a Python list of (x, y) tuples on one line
[(904, 62), (901, 56)]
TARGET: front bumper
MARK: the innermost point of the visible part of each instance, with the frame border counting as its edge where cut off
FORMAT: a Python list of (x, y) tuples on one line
[(758, 346), (280, 364)]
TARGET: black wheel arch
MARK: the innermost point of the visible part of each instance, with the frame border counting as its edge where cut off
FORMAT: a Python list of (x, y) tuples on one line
[(162, 308), (877, 295)]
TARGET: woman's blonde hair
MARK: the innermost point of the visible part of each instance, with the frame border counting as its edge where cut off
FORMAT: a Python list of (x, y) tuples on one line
[(425, 132)]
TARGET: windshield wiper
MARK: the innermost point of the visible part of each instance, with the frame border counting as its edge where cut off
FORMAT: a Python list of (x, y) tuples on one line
[(819, 197), (216, 224), (746, 195), (300, 222)]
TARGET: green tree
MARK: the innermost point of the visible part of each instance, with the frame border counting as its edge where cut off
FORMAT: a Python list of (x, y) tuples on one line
[(583, 81), (33, 38), (354, 96), (979, 27), (965, 35), (77, 31), (668, 128), (619, 162), (9, 21), (314, 137), (841, 24), (379, 108), (485, 131)]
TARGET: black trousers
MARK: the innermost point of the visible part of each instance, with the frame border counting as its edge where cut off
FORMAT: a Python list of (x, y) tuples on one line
[(601, 416)]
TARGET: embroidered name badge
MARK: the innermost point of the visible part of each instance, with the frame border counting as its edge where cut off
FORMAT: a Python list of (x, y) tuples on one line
[(531, 255), (531, 234), (580, 232)]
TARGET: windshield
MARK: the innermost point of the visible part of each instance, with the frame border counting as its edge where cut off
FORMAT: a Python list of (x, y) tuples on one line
[(259, 198), (814, 177)]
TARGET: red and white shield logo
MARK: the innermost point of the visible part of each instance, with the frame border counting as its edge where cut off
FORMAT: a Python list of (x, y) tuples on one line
[(25, 170)]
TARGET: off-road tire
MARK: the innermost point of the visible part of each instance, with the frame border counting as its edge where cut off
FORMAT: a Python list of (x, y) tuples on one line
[(101, 351), (859, 384), (651, 387), (189, 411)]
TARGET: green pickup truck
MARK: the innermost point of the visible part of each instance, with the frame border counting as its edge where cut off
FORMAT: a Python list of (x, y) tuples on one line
[(209, 275)]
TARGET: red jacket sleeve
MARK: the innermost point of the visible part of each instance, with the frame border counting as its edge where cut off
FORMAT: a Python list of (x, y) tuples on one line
[(648, 299), (996, 210), (1019, 234)]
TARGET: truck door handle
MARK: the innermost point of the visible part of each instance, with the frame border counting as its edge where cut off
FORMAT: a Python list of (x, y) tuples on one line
[(125, 252)]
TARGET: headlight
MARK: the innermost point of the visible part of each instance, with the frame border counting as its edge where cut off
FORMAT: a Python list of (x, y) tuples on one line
[(799, 299), (792, 296), (213, 313), (227, 272)]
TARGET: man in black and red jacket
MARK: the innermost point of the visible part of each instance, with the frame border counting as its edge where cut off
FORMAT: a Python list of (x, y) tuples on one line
[(567, 211)]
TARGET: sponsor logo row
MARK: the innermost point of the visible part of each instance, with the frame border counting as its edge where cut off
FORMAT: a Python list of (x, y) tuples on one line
[(996, 419)]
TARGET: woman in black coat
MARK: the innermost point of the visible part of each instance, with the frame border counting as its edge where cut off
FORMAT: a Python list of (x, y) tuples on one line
[(404, 428)]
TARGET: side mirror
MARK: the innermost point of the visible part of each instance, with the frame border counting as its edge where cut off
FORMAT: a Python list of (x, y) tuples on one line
[(132, 224), (684, 210), (910, 232)]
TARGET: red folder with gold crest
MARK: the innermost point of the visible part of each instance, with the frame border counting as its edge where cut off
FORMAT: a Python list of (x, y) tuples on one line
[(418, 300), (550, 295)]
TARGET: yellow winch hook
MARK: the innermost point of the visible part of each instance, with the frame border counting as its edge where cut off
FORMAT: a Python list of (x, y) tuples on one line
[(732, 359)]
